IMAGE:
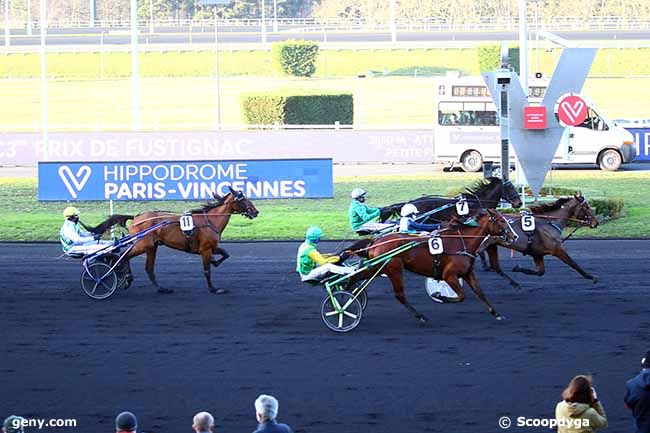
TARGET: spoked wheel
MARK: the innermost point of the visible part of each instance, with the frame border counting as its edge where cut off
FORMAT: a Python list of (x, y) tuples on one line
[(363, 296), (123, 270), (341, 312), (98, 281)]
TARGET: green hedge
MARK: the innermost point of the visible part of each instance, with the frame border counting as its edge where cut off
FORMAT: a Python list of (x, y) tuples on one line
[(298, 109), (609, 208), (489, 57), (295, 57)]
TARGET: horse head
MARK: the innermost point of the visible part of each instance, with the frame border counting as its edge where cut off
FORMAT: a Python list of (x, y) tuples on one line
[(583, 212), (499, 226), (240, 203), (509, 193)]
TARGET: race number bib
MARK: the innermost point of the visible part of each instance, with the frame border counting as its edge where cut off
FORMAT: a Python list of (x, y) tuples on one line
[(528, 223), (462, 208), (187, 223), (435, 246)]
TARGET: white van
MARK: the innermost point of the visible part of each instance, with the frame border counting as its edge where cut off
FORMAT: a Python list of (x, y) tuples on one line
[(467, 129)]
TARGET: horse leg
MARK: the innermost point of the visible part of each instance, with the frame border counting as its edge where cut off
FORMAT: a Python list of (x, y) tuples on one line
[(493, 253), (224, 255), (484, 263), (395, 271), (206, 256), (561, 254), (451, 278), (539, 263), (473, 283), (151, 261)]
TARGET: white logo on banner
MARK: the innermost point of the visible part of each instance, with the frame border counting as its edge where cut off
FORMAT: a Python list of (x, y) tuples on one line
[(74, 182)]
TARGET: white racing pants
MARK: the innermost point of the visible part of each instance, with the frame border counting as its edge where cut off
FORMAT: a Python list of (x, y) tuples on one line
[(321, 272), (89, 248)]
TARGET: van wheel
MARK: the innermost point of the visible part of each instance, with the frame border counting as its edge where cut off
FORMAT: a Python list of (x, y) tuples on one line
[(610, 160), (471, 161)]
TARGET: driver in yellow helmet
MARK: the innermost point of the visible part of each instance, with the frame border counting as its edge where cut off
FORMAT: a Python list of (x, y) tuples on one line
[(75, 241)]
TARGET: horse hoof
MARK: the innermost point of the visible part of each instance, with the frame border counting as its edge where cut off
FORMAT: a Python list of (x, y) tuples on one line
[(165, 291), (516, 286), (218, 291), (515, 269), (423, 320), (500, 317), (595, 280)]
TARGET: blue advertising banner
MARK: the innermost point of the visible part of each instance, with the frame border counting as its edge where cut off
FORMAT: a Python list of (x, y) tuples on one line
[(642, 141), (184, 180)]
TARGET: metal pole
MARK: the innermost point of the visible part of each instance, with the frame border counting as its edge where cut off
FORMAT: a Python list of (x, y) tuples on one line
[(93, 12), (393, 28), (6, 23), (44, 112), (217, 71), (275, 16), (505, 132), (151, 16), (523, 75), (101, 55), (135, 69), (263, 22), (29, 17)]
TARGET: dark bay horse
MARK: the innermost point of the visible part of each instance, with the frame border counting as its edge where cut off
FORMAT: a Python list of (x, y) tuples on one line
[(460, 241), (484, 194), (209, 222), (546, 239)]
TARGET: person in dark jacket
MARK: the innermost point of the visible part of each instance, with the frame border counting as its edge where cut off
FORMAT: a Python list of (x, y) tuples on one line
[(637, 397), (266, 410)]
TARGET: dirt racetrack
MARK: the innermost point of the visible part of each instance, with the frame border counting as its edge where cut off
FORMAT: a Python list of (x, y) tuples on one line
[(166, 357)]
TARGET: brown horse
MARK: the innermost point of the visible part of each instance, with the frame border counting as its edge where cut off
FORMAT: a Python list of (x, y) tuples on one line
[(550, 220), (209, 222), (461, 242)]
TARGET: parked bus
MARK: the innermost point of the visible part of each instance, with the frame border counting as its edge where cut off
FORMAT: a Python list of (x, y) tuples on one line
[(467, 129)]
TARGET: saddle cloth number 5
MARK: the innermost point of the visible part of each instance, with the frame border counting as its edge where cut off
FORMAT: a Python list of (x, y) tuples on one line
[(435, 246), (528, 223), (187, 223)]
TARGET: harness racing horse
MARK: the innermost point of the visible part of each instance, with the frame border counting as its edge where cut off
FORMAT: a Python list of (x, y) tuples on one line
[(484, 194), (210, 221), (550, 220), (460, 242)]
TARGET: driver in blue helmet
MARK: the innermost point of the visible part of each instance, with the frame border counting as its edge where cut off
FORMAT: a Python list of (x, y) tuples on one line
[(314, 266)]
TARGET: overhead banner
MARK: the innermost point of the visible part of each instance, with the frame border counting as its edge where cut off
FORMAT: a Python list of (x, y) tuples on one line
[(184, 180), (345, 145)]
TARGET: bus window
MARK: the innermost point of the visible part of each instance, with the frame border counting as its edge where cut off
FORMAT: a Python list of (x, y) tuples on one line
[(467, 114)]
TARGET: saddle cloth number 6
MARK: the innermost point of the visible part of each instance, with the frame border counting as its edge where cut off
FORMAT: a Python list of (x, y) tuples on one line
[(187, 223), (528, 223), (435, 246)]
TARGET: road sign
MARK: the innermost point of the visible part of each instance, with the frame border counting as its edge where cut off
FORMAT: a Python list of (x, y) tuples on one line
[(535, 117), (571, 110)]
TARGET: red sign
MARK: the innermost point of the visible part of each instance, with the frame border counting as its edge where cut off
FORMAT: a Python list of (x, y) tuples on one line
[(535, 117), (572, 110)]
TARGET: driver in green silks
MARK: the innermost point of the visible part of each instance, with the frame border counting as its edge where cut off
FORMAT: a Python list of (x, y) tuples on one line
[(314, 266)]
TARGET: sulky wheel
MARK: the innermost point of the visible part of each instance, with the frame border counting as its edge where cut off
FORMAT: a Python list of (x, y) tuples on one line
[(123, 271), (98, 281), (340, 311), (363, 296)]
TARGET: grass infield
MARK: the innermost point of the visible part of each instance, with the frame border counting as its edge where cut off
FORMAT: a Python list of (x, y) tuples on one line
[(23, 218)]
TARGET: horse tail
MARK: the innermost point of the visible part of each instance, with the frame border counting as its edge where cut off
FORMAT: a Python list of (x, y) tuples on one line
[(389, 211), (113, 220)]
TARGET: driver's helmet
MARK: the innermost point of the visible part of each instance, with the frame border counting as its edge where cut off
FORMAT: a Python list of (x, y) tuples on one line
[(314, 234), (408, 209), (357, 192), (70, 211)]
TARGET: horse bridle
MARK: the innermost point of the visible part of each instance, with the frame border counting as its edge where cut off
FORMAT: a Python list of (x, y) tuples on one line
[(248, 211)]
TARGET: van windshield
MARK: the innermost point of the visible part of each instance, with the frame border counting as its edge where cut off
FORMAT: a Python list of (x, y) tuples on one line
[(594, 122), (467, 114)]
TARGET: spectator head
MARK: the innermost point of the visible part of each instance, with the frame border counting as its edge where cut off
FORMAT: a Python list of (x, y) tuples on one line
[(203, 422), (579, 390), (13, 424), (126, 422), (645, 362), (266, 407)]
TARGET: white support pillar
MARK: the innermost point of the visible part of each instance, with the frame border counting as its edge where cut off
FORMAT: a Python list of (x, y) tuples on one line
[(520, 179), (29, 17), (135, 68), (217, 71), (263, 22), (393, 27), (44, 105), (7, 39), (275, 16)]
